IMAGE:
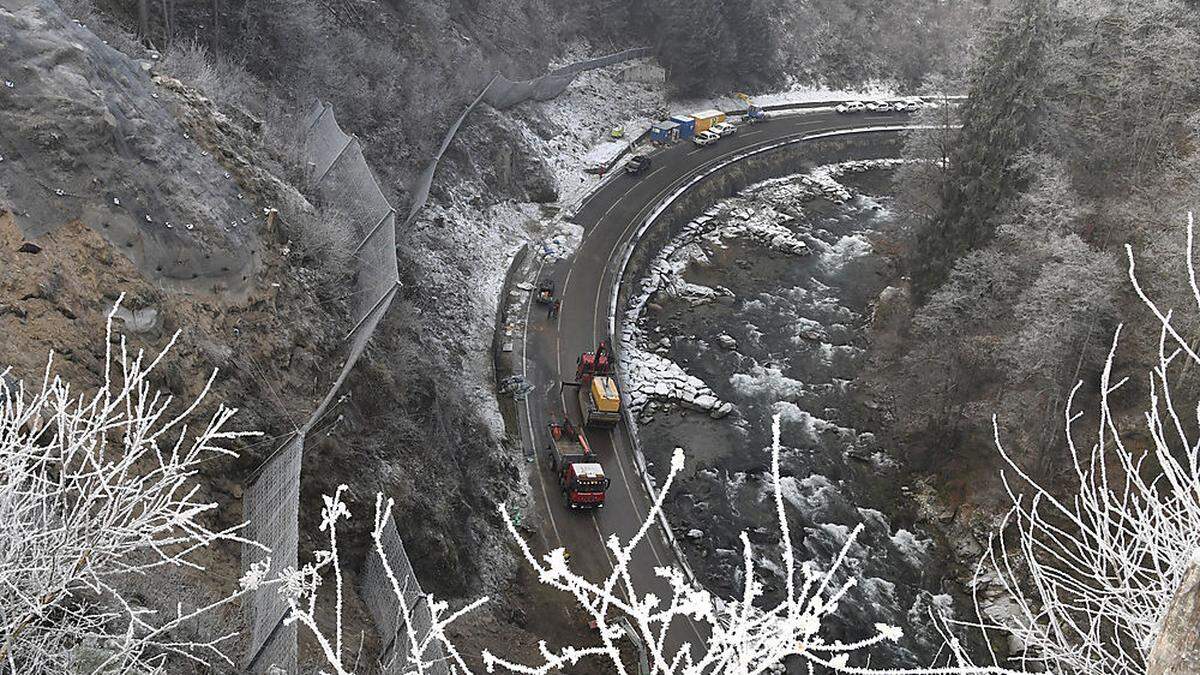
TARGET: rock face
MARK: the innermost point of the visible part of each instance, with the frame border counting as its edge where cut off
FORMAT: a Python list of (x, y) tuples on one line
[(1177, 648), (87, 136)]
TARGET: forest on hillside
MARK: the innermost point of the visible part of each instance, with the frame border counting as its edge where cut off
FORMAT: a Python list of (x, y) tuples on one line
[(1078, 138)]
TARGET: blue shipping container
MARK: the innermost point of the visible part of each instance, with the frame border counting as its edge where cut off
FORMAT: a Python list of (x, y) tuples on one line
[(664, 132), (687, 126)]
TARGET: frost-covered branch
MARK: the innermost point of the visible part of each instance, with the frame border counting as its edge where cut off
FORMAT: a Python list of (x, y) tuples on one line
[(301, 588), (746, 635), (96, 491), (1091, 573)]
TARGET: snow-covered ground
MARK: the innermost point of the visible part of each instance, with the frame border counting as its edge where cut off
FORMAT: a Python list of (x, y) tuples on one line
[(796, 93), (584, 116)]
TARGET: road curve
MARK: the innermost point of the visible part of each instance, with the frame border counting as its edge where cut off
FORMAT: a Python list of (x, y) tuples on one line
[(610, 217)]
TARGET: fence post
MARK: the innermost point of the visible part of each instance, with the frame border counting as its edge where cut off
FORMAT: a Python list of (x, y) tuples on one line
[(373, 229)]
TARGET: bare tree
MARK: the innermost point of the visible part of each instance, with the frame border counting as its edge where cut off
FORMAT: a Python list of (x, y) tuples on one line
[(97, 490), (1092, 575), (744, 635)]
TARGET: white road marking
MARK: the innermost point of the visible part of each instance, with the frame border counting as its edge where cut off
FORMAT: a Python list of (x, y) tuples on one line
[(612, 564), (529, 418), (751, 133), (558, 347)]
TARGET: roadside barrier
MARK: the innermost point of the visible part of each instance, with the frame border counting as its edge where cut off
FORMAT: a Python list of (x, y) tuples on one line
[(506, 93)]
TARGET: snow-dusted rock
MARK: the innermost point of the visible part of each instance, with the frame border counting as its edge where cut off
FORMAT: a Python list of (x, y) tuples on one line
[(722, 411)]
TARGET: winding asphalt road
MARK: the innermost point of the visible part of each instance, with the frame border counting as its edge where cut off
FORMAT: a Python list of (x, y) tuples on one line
[(610, 217)]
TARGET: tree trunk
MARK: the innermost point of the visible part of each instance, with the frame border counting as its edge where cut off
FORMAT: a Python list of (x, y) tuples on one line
[(1177, 649)]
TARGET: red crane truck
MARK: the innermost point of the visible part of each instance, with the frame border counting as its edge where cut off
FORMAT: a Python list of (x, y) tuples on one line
[(576, 468), (596, 377)]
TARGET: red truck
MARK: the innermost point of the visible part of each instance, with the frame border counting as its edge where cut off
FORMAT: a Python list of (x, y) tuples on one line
[(576, 468)]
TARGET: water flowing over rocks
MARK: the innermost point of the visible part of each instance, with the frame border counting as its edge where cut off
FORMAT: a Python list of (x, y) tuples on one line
[(760, 215), (761, 303)]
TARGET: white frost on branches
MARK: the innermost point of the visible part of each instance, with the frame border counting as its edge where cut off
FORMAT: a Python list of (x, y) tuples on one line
[(301, 588), (1097, 570), (97, 490), (743, 636)]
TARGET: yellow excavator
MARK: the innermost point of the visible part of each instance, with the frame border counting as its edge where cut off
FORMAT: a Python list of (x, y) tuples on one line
[(753, 113)]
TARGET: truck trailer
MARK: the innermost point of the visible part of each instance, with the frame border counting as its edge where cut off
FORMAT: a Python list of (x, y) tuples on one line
[(576, 468), (600, 402), (596, 377)]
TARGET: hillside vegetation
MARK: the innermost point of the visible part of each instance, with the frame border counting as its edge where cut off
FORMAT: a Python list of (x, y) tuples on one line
[(1078, 137)]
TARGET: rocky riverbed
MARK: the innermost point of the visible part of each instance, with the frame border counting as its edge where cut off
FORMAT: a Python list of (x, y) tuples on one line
[(760, 307)]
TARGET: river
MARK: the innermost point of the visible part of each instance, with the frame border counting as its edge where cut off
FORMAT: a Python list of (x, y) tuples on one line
[(775, 332)]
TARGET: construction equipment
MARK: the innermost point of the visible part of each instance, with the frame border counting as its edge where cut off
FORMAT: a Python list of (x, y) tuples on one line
[(580, 477), (753, 113), (545, 291), (597, 363), (599, 398)]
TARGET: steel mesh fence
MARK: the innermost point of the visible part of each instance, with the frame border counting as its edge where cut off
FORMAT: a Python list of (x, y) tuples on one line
[(323, 143), (505, 93), (343, 182), (380, 594), (271, 505)]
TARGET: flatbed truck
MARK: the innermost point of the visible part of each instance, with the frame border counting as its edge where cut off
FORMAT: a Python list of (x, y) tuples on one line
[(576, 468)]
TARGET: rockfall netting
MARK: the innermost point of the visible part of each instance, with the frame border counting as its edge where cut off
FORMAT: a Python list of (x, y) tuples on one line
[(425, 180), (271, 506), (505, 93), (378, 592), (340, 179)]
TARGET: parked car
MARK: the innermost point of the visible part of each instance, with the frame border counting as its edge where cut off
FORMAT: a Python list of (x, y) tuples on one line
[(637, 164), (724, 129), (850, 107), (879, 106), (906, 105), (707, 137)]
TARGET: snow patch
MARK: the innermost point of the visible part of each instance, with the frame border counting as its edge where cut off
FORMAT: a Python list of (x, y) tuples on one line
[(914, 551), (650, 378)]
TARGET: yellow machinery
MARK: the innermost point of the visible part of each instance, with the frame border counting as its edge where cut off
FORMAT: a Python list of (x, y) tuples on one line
[(600, 402)]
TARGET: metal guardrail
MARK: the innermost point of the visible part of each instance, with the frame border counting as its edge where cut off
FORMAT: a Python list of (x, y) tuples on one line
[(614, 299), (741, 112)]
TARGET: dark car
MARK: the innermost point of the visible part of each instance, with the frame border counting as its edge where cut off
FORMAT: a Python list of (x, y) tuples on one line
[(637, 164)]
